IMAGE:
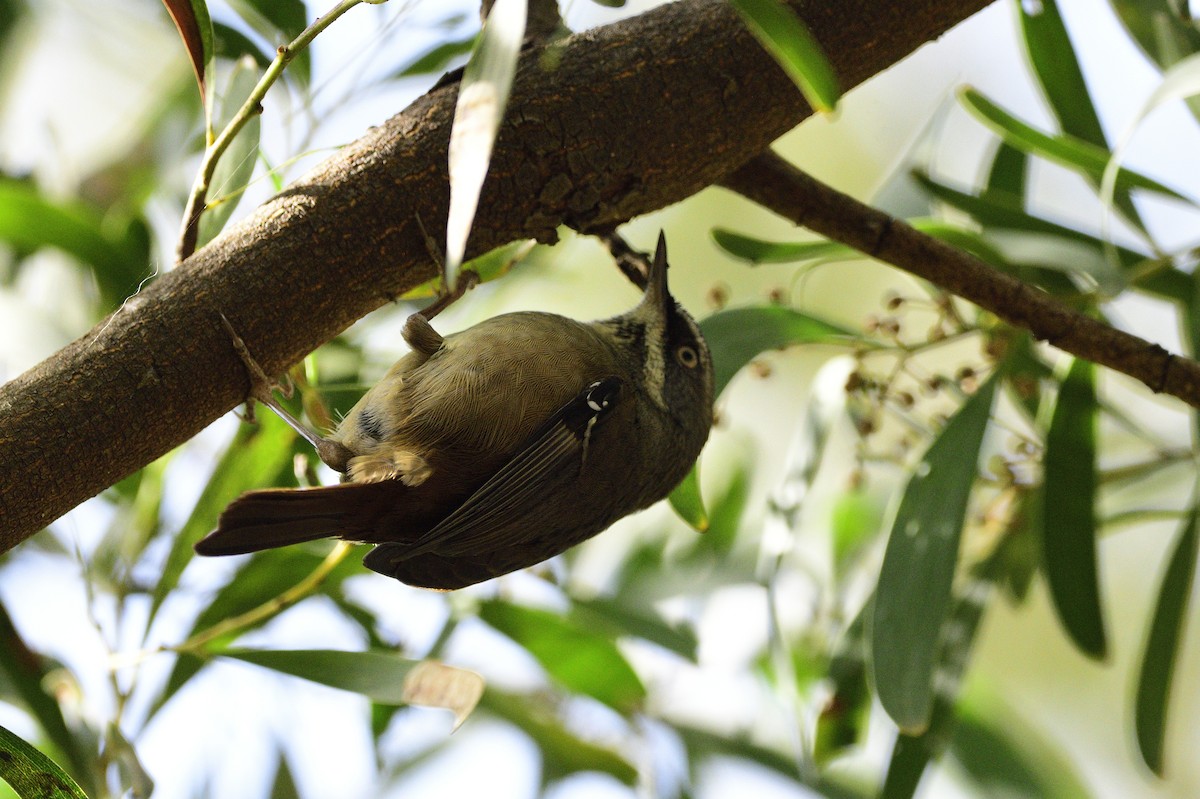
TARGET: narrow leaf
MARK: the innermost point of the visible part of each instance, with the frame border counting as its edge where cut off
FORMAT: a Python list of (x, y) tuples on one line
[(30, 220), (196, 29), (381, 676), (759, 251), (236, 166), (26, 672), (1062, 149), (1162, 647), (687, 502), (233, 44), (913, 595), (563, 752), (1061, 78), (31, 774), (1004, 756), (279, 22), (255, 456), (1068, 522), (787, 39), (577, 658), (736, 336), (1181, 82), (482, 97), (265, 576), (437, 58), (617, 617)]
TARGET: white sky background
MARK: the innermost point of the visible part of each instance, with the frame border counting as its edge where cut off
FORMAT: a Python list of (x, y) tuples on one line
[(80, 84)]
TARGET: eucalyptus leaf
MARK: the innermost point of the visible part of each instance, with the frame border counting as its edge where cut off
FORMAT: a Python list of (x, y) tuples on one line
[(31, 774), (736, 336), (236, 166), (30, 220), (1063, 149), (196, 29), (482, 98), (563, 752), (784, 35), (1058, 72), (381, 676), (687, 502), (257, 454), (578, 658), (1068, 518), (1162, 649), (279, 22), (760, 251), (913, 596)]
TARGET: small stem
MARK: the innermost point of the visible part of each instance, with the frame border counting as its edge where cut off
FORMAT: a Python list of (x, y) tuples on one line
[(271, 607), (250, 109)]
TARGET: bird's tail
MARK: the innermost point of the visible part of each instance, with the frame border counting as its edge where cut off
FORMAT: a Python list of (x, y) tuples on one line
[(278, 517)]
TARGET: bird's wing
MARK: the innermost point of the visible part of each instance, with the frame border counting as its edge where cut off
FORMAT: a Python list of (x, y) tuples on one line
[(557, 450)]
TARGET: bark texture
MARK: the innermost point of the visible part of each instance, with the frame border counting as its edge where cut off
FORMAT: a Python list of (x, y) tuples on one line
[(637, 115)]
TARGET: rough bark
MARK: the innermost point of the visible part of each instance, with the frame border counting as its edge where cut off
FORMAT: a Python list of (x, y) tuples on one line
[(638, 115)]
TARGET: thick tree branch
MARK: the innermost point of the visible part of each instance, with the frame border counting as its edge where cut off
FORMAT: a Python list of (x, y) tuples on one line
[(774, 183), (637, 115)]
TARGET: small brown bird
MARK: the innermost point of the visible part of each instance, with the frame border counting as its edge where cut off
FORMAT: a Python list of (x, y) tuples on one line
[(499, 447)]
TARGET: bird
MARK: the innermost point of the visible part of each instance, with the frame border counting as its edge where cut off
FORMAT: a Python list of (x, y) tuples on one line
[(496, 448)]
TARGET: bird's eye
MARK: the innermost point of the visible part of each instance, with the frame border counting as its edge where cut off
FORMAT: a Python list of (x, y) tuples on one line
[(686, 355)]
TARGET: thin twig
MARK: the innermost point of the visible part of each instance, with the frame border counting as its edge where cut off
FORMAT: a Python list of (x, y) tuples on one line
[(776, 184), (251, 108), (266, 610)]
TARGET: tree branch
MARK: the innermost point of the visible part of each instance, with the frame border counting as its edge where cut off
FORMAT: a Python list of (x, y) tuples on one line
[(637, 115), (774, 183)]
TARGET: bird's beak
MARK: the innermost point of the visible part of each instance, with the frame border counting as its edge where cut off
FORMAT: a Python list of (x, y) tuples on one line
[(657, 296)]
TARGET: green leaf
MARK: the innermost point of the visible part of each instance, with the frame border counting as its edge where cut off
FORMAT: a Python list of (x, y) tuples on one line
[(615, 617), (1068, 517), (29, 220), (31, 774), (1063, 149), (687, 502), (377, 675), (1007, 175), (725, 519), (1180, 82), (563, 753), (759, 251), (482, 98), (236, 166), (1159, 29), (1004, 756), (437, 58), (579, 659), (279, 22), (912, 599), (233, 44), (254, 458), (27, 671), (1162, 646), (492, 265), (997, 211), (196, 29), (736, 336), (787, 39), (265, 576), (1058, 72), (284, 784), (701, 744)]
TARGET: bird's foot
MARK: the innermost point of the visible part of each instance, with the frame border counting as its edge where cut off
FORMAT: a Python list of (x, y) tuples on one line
[(262, 388)]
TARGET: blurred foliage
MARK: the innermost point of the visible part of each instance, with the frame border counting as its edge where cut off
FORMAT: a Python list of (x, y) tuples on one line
[(995, 466)]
